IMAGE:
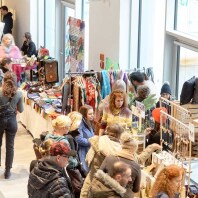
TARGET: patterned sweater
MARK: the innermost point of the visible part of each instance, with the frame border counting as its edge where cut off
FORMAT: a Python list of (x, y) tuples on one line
[(124, 118)]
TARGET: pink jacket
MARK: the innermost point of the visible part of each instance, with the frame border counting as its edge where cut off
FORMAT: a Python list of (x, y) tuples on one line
[(13, 53)]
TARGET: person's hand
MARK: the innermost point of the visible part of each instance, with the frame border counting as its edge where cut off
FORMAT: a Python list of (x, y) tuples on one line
[(147, 131), (156, 146)]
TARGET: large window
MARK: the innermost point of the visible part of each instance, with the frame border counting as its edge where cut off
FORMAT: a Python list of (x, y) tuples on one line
[(187, 16), (188, 66), (181, 60), (50, 19)]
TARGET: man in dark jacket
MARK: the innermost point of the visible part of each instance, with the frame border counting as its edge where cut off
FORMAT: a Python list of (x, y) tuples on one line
[(48, 178), (111, 185), (7, 19)]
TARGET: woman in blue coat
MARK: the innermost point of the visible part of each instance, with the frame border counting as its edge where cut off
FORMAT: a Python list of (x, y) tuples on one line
[(86, 131)]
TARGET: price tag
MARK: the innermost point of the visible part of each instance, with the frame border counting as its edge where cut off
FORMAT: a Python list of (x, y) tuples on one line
[(191, 132)]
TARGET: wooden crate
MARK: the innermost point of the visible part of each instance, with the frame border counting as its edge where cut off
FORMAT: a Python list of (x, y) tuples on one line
[(192, 108)]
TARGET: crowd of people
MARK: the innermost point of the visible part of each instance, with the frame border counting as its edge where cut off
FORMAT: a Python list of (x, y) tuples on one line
[(107, 164), (73, 160)]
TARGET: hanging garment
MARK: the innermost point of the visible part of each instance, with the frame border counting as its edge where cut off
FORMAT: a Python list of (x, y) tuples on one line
[(106, 88)]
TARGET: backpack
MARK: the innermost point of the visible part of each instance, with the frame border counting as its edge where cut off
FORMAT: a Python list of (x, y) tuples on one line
[(195, 95), (187, 91)]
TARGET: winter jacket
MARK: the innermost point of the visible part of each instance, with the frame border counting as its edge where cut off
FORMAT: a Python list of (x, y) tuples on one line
[(100, 148), (83, 142), (134, 185), (73, 162), (124, 118), (105, 186), (7, 19), (29, 49), (47, 180)]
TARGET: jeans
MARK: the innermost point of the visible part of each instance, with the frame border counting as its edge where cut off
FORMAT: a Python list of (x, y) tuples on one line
[(8, 124)]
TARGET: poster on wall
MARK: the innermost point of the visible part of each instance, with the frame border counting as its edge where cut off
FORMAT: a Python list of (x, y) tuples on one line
[(111, 65), (75, 45)]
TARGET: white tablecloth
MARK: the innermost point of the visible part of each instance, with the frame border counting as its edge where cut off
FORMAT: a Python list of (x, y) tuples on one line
[(33, 120)]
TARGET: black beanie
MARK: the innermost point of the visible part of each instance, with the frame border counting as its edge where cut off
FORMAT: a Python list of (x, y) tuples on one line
[(166, 88)]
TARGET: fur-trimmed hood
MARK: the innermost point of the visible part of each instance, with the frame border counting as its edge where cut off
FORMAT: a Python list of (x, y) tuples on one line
[(105, 186)]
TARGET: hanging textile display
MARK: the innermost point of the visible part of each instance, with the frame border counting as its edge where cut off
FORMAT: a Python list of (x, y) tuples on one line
[(75, 45)]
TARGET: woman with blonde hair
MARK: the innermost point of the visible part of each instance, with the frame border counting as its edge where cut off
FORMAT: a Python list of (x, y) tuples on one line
[(11, 101), (8, 49), (61, 127), (168, 182), (117, 111), (44, 150)]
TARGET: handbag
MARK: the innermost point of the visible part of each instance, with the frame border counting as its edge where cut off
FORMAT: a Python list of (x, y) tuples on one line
[(76, 179)]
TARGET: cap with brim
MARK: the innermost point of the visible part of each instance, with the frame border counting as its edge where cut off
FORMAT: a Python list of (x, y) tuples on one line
[(61, 148)]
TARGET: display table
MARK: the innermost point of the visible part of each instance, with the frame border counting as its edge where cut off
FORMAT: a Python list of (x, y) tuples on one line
[(18, 69), (33, 120)]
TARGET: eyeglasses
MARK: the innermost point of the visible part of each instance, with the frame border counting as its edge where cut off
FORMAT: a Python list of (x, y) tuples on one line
[(66, 156)]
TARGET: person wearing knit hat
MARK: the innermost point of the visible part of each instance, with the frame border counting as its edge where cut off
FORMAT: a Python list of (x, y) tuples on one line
[(47, 178), (166, 90), (129, 155), (165, 93)]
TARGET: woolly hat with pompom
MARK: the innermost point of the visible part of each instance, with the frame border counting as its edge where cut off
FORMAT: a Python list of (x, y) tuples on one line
[(166, 88), (128, 142)]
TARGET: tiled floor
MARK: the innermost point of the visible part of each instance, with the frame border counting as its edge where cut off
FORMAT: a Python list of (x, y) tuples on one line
[(16, 186)]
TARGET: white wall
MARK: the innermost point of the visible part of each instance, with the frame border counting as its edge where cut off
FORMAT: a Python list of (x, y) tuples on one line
[(152, 38), (124, 37), (22, 20), (104, 31)]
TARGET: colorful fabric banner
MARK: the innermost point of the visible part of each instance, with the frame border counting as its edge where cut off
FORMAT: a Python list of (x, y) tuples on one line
[(75, 45)]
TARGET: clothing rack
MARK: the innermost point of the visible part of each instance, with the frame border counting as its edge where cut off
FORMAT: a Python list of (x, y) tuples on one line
[(136, 70), (70, 97), (79, 73)]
